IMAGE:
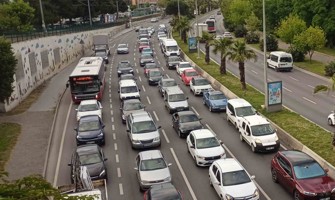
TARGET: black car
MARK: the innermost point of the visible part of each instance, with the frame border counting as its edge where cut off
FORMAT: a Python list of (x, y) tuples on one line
[(172, 62), (164, 191), (124, 67), (102, 53), (154, 75), (92, 157), (185, 121), (146, 58), (90, 129)]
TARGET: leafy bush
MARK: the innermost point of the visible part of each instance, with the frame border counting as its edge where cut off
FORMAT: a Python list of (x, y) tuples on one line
[(298, 56), (330, 69), (240, 31), (252, 38), (271, 43)]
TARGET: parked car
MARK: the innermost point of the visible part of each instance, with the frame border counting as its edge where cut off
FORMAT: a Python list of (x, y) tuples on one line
[(164, 191), (204, 147), (148, 67), (151, 168), (199, 84), (187, 75), (122, 49), (89, 107), (147, 51), (184, 122), (90, 129), (302, 176), (92, 157), (231, 181), (172, 62), (214, 100), (154, 75), (146, 58), (166, 83), (183, 66), (130, 106), (331, 119), (124, 67)]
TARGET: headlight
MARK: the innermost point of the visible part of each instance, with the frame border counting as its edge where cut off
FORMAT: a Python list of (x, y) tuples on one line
[(309, 193), (228, 197), (131, 71), (258, 141), (136, 142), (141, 61), (200, 157), (102, 173), (156, 139), (256, 193), (123, 117), (101, 134), (276, 137), (150, 79)]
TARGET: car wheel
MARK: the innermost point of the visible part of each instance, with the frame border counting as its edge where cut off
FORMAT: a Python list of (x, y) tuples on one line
[(253, 149), (236, 126), (330, 122), (274, 175), (195, 161), (241, 137), (276, 69), (296, 195)]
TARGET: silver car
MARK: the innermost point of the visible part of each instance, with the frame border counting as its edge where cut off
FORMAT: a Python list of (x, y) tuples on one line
[(122, 49), (151, 169), (130, 106), (166, 83)]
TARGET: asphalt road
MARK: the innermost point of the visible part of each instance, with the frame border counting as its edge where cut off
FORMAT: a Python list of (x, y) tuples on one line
[(122, 184)]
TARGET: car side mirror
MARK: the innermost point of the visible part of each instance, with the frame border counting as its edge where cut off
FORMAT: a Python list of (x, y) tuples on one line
[(105, 159), (136, 168), (128, 131), (169, 164), (192, 147), (326, 170), (252, 177), (67, 85), (76, 109), (159, 127), (220, 142)]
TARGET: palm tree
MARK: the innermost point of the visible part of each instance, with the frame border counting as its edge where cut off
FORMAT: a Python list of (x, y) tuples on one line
[(222, 45), (239, 53), (325, 88), (182, 25), (207, 38)]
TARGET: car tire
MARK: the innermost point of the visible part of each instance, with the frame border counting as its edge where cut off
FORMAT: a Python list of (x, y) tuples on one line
[(274, 175), (195, 161), (241, 137), (296, 195), (210, 182), (330, 122)]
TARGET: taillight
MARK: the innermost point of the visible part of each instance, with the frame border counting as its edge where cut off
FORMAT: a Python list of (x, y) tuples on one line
[(145, 195)]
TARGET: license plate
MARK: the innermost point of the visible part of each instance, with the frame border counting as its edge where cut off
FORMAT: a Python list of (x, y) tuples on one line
[(269, 148), (91, 142)]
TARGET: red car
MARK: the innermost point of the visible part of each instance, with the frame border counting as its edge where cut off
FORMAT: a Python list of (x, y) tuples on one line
[(143, 45), (302, 176), (149, 66), (187, 75)]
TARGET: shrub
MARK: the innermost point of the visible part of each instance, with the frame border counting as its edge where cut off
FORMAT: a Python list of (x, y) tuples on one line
[(252, 38), (271, 43), (240, 31), (298, 56), (330, 69)]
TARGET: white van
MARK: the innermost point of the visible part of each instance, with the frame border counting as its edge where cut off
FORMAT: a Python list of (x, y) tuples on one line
[(175, 100), (280, 61), (259, 134), (128, 89), (238, 108), (170, 47)]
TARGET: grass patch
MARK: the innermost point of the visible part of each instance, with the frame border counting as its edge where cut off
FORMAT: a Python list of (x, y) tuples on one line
[(27, 102), (9, 133), (327, 50), (312, 66), (303, 130)]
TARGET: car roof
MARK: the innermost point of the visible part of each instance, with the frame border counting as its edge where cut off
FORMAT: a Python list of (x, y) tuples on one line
[(159, 191), (281, 53), (203, 133), (214, 92), (127, 82), (254, 120), (229, 165), (239, 102), (296, 157), (141, 116), (150, 154), (87, 149), (88, 102), (184, 63), (89, 118), (187, 112), (174, 90)]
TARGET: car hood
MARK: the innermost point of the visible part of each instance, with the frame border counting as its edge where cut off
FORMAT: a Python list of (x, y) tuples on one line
[(219, 102), (191, 125), (89, 134), (154, 175), (210, 152), (173, 63), (241, 190), (94, 112), (318, 185), (155, 77), (145, 136), (95, 169), (178, 104)]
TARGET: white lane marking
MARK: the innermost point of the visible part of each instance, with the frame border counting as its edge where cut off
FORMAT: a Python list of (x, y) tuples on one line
[(61, 145), (134, 54), (136, 70), (114, 136), (109, 90), (209, 128), (310, 86), (112, 119), (293, 78), (111, 106), (156, 57), (143, 88), (121, 188), (287, 89), (196, 112), (309, 100), (110, 87), (159, 62), (106, 191), (166, 137), (135, 64), (110, 95), (167, 76), (253, 71), (112, 112), (163, 69), (110, 100), (139, 78), (117, 158), (119, 172), (110, 78), (183, 174), (333, 95), (113, 46), (113, 127), (148, 100), (115, 146), (157, 119)]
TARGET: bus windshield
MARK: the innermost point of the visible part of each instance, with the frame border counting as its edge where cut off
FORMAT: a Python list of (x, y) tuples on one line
[(79, 86), (210, 23)]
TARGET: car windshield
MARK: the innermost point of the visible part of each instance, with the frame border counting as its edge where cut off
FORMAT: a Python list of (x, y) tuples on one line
[(169, 83), (122, 46), (176, 97), (147, 50), (245, 111), (192, 73), (89, 126), (152, 164), (172, 48), (153, 73), (188, 118), (285, 59), (172, 59), (146, 56), (263, 129), (133, 106), (235, 178), (143, 127), (150, 66), (204, 143), (185, 65), (100, 53), (88, 107), (217, 96), (308, 170), (201, 82), (129, 89), (88, 159)]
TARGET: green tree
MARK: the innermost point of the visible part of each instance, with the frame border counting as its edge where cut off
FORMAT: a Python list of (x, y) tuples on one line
[(183, 26), (222, 45), (172, 8), (239, 10), (252, 23), (290, 27), (7, 69), (310, 40), (16, 16), (240, 54), (276, 11), (325, 88), (207, 38)]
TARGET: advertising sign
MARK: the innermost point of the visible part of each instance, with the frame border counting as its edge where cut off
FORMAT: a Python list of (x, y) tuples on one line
[(275, 93), (192, 44)]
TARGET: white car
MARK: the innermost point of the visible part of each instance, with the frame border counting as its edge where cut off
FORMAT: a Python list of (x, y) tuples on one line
[(153, 20), (89, 107), (204, 147), (199, 84), (182, 66), (231, 181), (331, 119)]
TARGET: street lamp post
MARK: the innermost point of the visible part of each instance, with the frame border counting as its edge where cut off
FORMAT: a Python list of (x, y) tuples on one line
[(42, 16), (196, 19), (89, 12), (265, 58), (178, 11)]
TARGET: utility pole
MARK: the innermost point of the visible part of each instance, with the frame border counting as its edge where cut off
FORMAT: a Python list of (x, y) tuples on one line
[(117, 10), (196, 19), (178, 11), (42, 16), (265, 60), (89, 12)]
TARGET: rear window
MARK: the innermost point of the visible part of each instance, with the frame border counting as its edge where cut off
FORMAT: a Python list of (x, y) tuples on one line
[(285, 59)]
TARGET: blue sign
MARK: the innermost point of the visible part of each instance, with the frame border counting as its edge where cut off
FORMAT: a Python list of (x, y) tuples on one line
[(192, 44), (275, 93)]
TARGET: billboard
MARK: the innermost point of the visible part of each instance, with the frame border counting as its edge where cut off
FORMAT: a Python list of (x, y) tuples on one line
[(275, 94), (192, 44)]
